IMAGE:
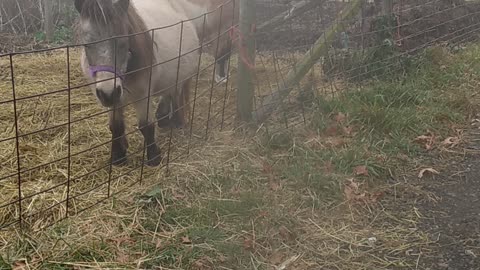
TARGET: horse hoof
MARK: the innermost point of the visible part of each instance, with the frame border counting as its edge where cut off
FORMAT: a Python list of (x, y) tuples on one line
[(220, 79), (154, 156), (121, 161), (178, 124), (163, 123), (154, 162)]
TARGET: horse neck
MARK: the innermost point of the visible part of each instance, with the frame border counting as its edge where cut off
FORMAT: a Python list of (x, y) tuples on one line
[(141, 43)]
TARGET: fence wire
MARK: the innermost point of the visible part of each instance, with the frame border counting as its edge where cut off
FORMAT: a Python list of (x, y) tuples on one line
[(55, 144), (374, 44)]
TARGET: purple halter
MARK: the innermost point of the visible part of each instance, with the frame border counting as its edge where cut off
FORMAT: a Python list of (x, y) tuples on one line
[(95, 69)]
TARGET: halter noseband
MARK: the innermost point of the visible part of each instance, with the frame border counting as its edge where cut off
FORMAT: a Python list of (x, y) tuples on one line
[(95, 69)]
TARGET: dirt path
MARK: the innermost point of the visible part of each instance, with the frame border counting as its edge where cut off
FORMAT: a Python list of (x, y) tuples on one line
[(454, 219)]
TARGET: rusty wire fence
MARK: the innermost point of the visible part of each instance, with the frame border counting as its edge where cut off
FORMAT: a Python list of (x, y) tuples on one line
[(376, 43), (55, 141), (55, 145)]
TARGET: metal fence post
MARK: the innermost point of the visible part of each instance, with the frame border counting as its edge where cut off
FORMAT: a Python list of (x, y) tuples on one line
[(246, 60)]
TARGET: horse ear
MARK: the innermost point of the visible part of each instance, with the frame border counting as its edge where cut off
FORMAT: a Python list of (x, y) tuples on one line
[(79, 5), (122, 4)]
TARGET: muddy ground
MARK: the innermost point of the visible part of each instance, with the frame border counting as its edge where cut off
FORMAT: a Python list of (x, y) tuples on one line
[(453, 216)]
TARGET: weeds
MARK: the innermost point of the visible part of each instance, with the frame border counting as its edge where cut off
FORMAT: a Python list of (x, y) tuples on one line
[(281, 198)]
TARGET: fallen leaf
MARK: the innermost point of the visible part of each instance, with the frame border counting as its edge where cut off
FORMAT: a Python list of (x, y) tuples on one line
[(286, 234), (381, 158), (248, 244), (222, 258), (178, 195), (451, 142), (354, 185), (186, 240), (262, 214), (348, 131), (361, 171), (159, 244), (123, 257), (273, 183), (340, 118), (353, 193), (276, 258), (267, 168), (375, 197), (427, 170), (336, 142), (204, 263), (332, 130), (403, 157), (198, 264), (423, 138), (353, 197), (427, 140), (19, 265), (274, 186)]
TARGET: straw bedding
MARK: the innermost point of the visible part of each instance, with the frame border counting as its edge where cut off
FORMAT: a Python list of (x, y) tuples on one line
[(43, 129)]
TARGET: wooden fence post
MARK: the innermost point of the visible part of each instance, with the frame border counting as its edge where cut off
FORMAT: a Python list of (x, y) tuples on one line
[(295, 75), (48, 24), (246, 60)]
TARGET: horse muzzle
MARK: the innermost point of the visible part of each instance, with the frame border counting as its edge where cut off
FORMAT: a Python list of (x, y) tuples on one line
[(109, 98)]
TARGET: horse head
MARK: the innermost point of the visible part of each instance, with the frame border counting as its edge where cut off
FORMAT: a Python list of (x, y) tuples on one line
[(104, 29)]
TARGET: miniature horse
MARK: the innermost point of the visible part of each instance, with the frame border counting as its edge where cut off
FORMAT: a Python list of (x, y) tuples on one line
[(120, 68)]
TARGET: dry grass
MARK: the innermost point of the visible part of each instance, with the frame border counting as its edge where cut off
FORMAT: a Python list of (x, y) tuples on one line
[(43, 127), (241, 199)]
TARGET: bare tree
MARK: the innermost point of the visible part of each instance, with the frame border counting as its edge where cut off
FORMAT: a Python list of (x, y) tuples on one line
[(48, 21), (31, 16)]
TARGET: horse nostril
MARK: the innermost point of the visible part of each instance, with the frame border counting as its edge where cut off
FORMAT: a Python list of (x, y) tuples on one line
[(100, 94), (118, 91)]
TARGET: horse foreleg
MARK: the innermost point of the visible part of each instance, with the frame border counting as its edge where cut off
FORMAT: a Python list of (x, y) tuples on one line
[(179, 110), (222, 58), (220, 70), (186, 98), (148, 132), (163, 111), (181, 105), (119, 141)]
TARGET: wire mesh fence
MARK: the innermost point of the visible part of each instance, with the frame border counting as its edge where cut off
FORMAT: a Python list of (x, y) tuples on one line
[(56, 149), (373, 44)]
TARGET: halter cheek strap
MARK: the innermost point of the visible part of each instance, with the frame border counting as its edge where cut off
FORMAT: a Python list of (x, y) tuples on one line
[(95, 69)]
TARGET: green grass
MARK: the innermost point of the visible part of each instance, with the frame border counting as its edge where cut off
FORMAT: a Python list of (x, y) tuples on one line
[(389, 114), (386, 116)]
